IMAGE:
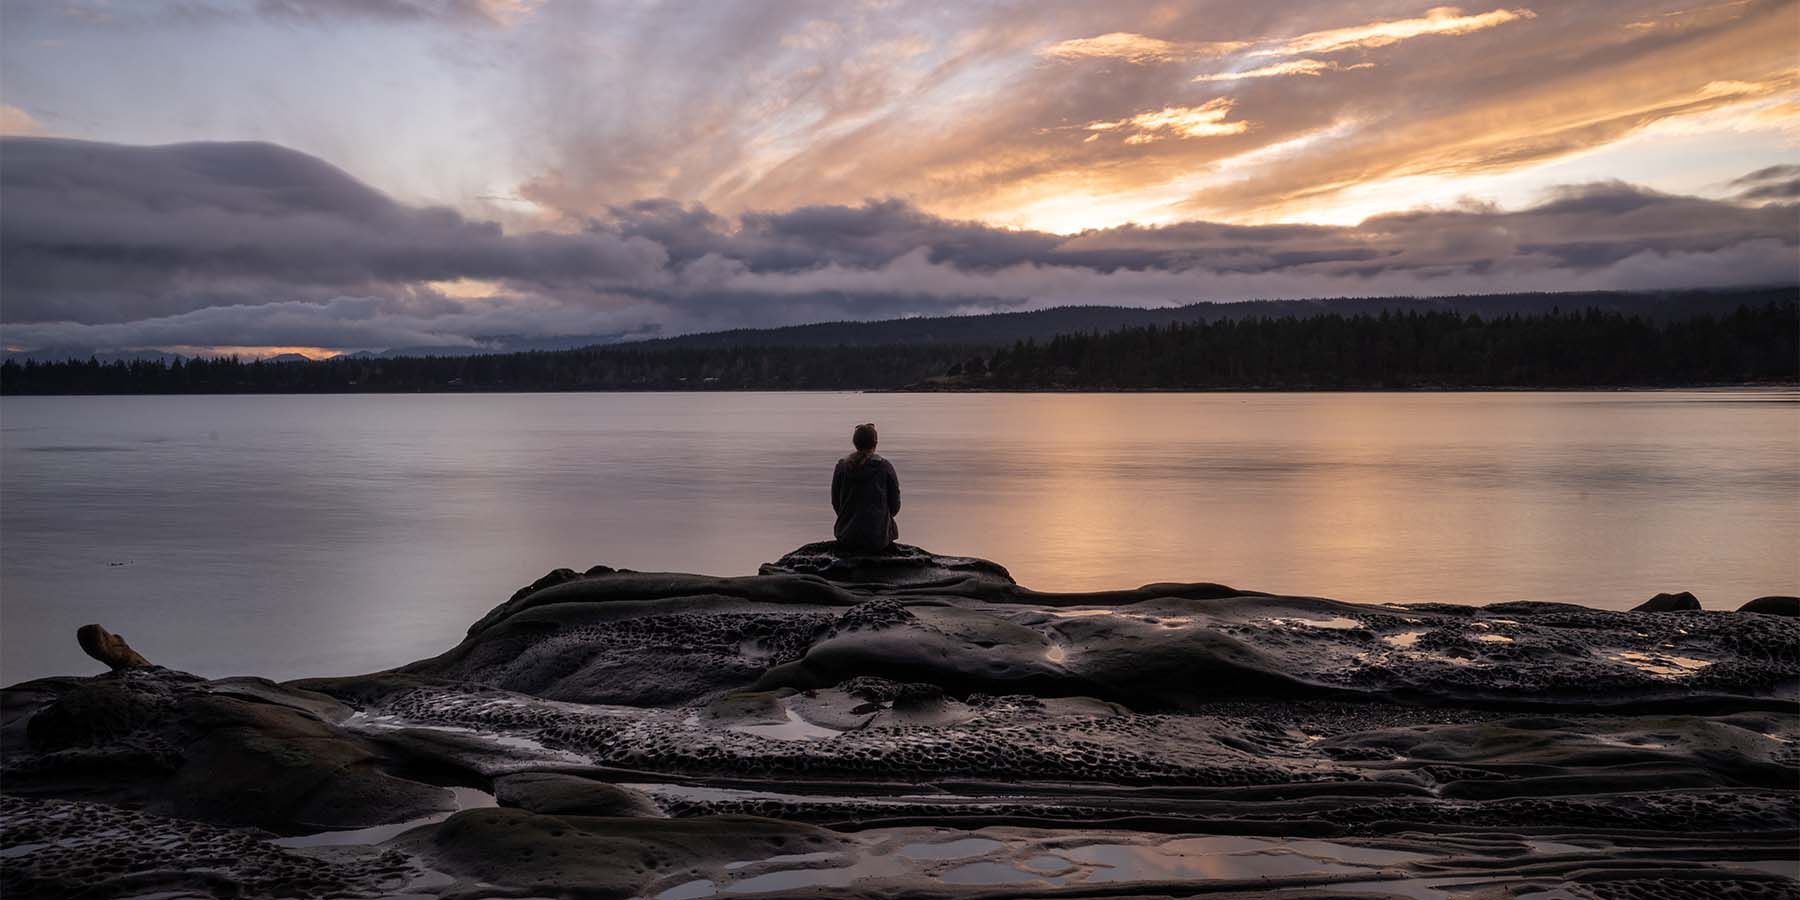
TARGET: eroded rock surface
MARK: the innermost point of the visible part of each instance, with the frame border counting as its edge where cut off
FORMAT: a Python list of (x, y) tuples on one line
[(918, 725)]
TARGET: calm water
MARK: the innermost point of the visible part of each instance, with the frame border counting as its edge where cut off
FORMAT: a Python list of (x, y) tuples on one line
[(290, 536)]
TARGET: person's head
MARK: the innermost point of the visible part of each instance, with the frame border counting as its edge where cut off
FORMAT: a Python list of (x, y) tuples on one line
[(864, 438)]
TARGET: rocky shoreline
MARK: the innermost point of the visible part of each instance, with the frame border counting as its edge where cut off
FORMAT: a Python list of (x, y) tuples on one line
[(918, 725)]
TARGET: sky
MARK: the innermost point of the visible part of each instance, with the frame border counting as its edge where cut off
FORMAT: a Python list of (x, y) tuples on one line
[(325, 176)]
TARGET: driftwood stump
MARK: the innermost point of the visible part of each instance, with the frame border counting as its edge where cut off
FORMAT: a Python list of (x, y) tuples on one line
[(108, 648)]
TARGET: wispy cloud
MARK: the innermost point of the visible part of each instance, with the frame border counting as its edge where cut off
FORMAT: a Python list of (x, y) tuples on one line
[(1442, 20), (1137, 48), (969, 111), (1280, 69), (1206, 120), (1142, 49)]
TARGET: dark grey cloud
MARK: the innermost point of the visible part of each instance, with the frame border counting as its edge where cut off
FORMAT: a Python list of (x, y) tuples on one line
[(244, 244), (98, 232), (1771, 183)]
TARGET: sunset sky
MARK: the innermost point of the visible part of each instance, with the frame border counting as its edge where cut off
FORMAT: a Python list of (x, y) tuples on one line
[(409, 173)]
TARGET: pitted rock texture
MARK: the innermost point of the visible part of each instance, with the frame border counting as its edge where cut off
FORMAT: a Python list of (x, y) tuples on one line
[(61, 848), (652, 732)]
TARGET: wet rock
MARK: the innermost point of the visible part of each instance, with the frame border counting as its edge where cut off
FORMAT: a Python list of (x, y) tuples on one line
[(1773, 606), (232, 752), (899, 565), (587, 856), (61, 848), (1661, 603), (555, 793)]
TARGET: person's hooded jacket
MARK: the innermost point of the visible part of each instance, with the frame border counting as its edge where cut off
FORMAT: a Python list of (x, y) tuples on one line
[(865, 493)]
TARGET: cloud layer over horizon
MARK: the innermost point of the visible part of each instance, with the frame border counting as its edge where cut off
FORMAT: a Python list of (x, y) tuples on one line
[(249, 245)]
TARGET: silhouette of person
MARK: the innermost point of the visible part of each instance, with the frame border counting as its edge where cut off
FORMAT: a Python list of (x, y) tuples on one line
[(865, 494)]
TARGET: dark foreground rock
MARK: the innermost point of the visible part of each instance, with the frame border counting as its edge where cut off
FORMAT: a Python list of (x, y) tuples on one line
[(908, 724), (1773, 606), (1681, 602)]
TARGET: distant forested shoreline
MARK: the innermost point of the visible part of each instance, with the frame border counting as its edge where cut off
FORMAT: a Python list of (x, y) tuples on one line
[(1754, 343)]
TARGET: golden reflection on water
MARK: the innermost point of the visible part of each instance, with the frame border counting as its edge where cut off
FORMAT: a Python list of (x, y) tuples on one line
[(320, 535)]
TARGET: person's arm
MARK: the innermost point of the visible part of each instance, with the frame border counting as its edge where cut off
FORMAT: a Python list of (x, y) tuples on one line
[(893, 491), (837, 489)]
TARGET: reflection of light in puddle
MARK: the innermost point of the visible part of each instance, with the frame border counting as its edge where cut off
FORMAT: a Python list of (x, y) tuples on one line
[(794, 729), (793, 879), (1404, 639), (1609, 741), (1166, 621), (1124, 862), (692, 890), (951, 849), (1493, 639), (1055, 653), (785, 858), (1660, 664), (987, 873), (466, 798), (365, 722), (1335, 623)]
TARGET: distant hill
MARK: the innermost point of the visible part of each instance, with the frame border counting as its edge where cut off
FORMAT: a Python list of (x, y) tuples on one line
[(1432, 347), (998, 329)]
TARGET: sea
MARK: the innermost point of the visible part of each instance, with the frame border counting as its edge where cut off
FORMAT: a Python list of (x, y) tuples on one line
[(290, 536)]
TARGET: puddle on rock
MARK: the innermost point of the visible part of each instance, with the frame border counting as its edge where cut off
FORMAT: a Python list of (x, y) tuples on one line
[(1222, 858), (792, 880), (1335, 623), (794, 729), (466, 798), (785, 859), (959, 849), (991, 873), (1660, 664)]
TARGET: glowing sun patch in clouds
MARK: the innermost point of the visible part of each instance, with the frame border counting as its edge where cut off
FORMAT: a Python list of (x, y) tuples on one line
[(1205, 120), (468, 288), (16, 121)]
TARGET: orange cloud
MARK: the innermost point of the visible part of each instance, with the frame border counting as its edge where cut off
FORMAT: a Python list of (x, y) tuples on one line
[(1136, 48), (16, 121), (1205, 120), (1442, 20), (1276, 70)]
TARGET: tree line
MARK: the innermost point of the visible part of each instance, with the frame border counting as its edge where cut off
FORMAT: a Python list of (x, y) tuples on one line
[(1583, 348), (1393, 350)]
